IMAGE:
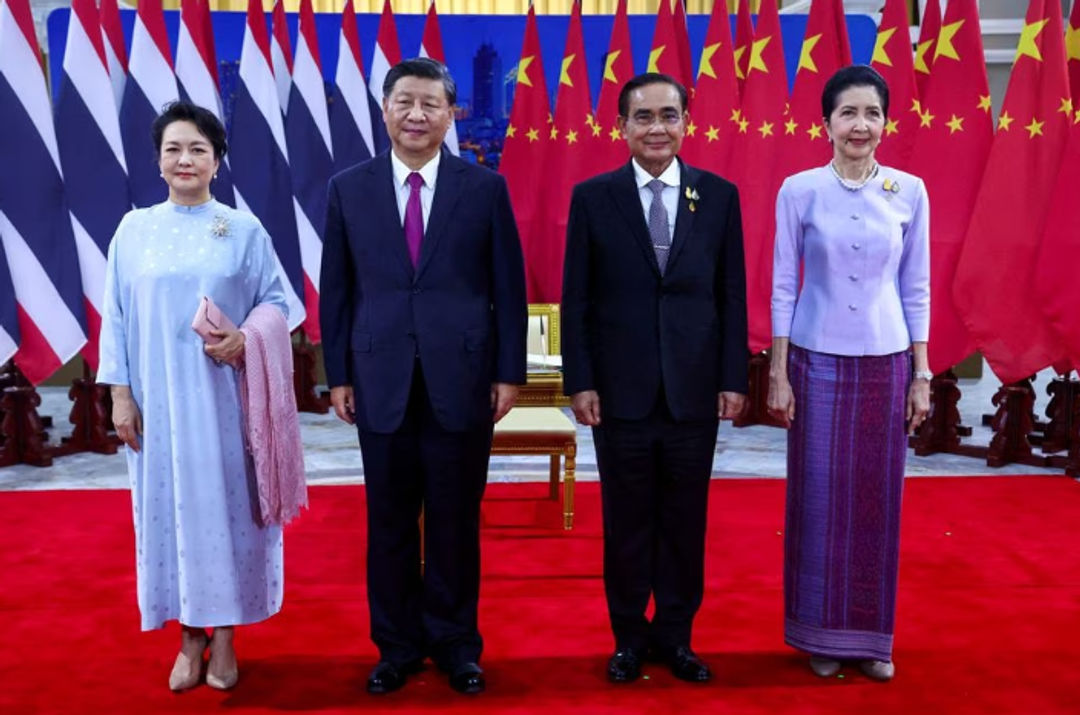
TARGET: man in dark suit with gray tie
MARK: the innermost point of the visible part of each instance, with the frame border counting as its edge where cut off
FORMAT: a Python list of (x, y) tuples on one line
[(423, 315), (654, 346)]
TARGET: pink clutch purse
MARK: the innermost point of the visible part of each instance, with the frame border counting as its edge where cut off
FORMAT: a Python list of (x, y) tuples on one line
[(210, 317)]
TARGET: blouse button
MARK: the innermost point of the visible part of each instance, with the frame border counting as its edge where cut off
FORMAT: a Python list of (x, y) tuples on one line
[(852, 307), (855, 246), (853, 277), (854, 217)]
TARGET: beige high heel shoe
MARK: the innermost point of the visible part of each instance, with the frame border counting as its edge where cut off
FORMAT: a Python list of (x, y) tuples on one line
[(187, 672), (222, 681)]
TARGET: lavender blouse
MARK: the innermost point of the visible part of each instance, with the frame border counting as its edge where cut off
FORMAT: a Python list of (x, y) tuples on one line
[(865, 256)]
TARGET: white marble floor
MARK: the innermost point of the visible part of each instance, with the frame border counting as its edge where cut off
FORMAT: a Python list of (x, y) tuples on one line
[(331, 455)]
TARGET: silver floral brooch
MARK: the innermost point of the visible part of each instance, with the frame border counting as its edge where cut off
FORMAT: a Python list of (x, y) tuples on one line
[(219, 226)]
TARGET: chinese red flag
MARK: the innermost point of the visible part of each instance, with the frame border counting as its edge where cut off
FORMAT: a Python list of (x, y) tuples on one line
[(667, 47), (825, 50), (1072, 50), (996, 281), (576, 145), (951, 145), (716, 100), (755, 166), (524, 151), (618, 68), (1056, 287), (744, 38), (682, 41), (929, 27), (893, 59)]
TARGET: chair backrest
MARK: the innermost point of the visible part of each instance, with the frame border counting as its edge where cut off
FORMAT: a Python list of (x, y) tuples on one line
[(543, 336)]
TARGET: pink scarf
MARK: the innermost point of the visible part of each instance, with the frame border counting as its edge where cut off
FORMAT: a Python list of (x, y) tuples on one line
[(273, 426)]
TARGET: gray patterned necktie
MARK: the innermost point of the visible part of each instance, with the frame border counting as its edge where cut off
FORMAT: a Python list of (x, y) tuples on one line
[(658, 224)]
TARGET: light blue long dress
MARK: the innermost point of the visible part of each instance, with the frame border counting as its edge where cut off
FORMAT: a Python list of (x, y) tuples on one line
[(201, 557)]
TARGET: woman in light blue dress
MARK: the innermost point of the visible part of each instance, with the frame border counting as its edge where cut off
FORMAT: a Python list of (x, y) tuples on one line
[(202, 558)]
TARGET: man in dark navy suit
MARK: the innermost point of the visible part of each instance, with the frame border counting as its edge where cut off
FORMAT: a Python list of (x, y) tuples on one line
[(654, 352), (423, 315)]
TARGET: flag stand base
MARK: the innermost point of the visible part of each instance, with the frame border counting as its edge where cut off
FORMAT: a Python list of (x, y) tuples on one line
[(757, 398), (304, 379), (90, 415), (22, 431)]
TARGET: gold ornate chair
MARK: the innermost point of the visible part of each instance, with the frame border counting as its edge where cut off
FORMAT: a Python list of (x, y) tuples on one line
[(537, 426)]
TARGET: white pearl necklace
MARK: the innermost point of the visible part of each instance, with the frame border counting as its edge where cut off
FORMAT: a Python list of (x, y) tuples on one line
[(854, 185)]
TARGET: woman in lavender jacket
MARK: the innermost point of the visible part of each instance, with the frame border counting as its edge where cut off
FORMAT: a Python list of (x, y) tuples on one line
[(850, 377)]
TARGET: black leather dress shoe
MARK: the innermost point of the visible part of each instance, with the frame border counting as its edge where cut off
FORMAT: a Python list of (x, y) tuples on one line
[(468, 678), (686, 665), (386, 677), (624, 666)]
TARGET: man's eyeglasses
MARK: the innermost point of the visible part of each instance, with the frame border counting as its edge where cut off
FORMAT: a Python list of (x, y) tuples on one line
[(647, 119)]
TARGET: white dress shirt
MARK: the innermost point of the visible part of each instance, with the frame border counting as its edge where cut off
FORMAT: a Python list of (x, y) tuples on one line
[(428, 172), (670, 194)]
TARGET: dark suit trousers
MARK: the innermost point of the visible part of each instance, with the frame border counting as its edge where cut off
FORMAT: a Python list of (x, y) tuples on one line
[(433, 612), (654, 486)]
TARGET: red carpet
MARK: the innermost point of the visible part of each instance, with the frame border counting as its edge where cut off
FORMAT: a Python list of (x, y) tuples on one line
[(988, 621)]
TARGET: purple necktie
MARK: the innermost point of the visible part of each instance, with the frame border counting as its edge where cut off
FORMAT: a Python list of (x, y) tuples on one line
[(414, 217)]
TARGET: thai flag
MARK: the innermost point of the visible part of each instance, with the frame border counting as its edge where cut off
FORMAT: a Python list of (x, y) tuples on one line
[(260, 164), (92, 157), (350, 103), (387, 54), (150, 86), (9, 316), (35, 224), (431, 46), (115, 50), (307, 135), (196, 72)]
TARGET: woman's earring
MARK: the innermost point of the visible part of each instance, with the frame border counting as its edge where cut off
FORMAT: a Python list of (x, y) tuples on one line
[(215, 175)]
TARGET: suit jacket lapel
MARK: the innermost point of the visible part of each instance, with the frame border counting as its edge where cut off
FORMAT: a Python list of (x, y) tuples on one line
[(448, 188), (684, 217), (625, 193), (385, 193)]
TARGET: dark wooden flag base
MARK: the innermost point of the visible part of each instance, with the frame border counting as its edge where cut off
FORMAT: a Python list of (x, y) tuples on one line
[(757, 397), (304, 379), (91, 417), (22, 430)]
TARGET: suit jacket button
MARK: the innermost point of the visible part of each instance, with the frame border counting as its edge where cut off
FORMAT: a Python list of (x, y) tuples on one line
[(417, 291)]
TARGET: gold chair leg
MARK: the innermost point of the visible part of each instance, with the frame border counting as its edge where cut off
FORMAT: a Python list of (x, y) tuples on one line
[(568, 486)]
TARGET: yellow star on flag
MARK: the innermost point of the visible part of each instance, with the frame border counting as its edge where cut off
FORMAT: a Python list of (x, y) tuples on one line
[(916, 106), (756, 61), (814, 131), (926, 118), (1066, 106), (1004, 121), (533, 135), (984, 102), (883, 37), (955, 124), (511, 130), (596, 129), (713, 133), (706, 60), (736, 115), (1034, 128), (806, 59), (654, 59), (615, 134), (743, 124), (1072, 42), (691, 129), (571, 137), (1026, 45), (790, 125), (920, 56), (944, 44), (765, 129), (892, 127), (554, 133), (523, 70), (739, 52), (1077, 120), (564, 74), (609, 66)]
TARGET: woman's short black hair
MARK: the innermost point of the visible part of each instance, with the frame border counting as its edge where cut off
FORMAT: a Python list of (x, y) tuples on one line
[(203, 119), (643, 80), (853, 76), (425, 68)]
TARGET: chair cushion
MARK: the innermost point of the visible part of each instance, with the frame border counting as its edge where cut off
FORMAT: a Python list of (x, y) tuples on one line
[(535, 419)]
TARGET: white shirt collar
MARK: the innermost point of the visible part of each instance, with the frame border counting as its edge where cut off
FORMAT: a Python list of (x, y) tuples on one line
[(428, 172), (671, 176)]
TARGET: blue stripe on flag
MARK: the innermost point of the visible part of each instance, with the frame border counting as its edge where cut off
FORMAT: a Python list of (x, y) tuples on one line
[(262, 178), (32, 197), (9, 319), (95, 183), (311, 163), (144, 175), (349, 145)]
